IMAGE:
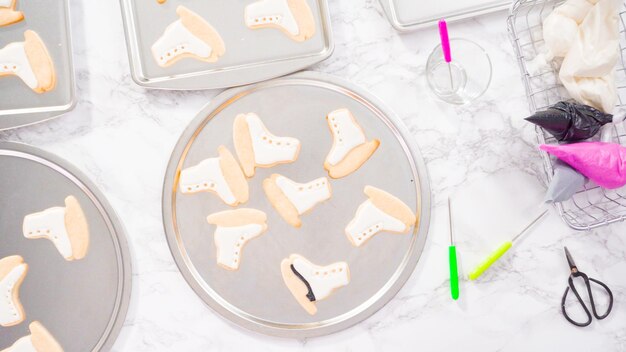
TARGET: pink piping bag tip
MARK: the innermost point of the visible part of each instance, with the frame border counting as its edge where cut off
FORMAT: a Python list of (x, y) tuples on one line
[(445, 40), (545, 147)]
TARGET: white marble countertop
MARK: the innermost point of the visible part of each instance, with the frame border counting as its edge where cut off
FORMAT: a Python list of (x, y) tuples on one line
[(121, 136)]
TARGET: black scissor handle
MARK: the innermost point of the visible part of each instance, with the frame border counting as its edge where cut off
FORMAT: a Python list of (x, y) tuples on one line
[(593, 305), (571, 286)]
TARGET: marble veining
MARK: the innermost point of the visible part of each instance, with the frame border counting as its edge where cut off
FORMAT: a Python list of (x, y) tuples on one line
[(121, 136)]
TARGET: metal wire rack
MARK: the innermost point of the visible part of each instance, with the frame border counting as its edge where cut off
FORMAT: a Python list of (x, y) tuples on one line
[(592, 206)]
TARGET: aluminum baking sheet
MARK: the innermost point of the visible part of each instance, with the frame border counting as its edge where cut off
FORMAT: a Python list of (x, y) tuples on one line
[(82, 303), (255, 296), (407, 15), (21, 106), (251, 55)]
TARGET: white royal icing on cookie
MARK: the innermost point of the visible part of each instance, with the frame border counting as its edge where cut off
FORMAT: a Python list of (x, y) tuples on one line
[(6, 3), (369, 220), (206, 176), (272, 11), (178, 40), (8, 311), (346, 133), (304, 196), (268, 148), (13, 60), (49, 224), (25, 344), (230, 241), (322, 279)]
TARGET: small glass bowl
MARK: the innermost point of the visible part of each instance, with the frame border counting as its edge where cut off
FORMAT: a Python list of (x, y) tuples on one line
[(467, 76)]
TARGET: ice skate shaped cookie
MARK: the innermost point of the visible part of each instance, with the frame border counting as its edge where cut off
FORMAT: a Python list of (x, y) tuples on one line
[(292, 199), (66, 227), (8, 15), (39, 340), (12, 272), (234, 229), (257, 147), (293, 17), (381, 212), (190, 36), (350, 147), (30, 61), (221, 175), (310, 283)]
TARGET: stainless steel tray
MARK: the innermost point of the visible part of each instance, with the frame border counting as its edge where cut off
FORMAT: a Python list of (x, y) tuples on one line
[(408, 15), (247, 58), (21, 106), (82, 303), (255, 296)]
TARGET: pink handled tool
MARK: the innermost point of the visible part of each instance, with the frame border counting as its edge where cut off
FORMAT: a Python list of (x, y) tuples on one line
[(445, 47), (445, 41)]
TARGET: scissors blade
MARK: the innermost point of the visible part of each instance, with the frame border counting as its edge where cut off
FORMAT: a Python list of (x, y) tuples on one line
[(570, 260)]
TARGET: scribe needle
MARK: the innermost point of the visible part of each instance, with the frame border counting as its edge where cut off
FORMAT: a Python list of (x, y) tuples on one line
[(503, 248), (454, 273)]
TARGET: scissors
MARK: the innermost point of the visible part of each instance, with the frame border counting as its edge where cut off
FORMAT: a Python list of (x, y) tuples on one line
[(574, 273)]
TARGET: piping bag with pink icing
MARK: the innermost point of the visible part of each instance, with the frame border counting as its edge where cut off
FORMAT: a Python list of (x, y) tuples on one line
[(603, 163)]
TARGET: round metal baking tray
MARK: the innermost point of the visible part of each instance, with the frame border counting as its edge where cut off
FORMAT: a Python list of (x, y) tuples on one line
[(255, 296), (82, 303)]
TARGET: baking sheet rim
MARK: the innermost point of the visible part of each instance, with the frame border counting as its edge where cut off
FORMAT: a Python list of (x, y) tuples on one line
[(392, 16)]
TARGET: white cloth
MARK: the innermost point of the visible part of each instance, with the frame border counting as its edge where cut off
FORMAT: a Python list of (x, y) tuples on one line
[(561, 26), (585, 33)]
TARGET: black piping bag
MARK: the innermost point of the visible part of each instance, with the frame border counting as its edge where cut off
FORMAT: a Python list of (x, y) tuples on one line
[(570, 122)]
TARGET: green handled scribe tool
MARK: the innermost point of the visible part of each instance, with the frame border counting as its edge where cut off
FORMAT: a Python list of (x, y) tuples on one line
[(454, 273), (504, 247)]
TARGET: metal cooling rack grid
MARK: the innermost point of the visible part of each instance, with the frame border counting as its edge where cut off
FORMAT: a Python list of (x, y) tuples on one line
[(593, 206)]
